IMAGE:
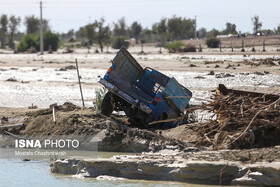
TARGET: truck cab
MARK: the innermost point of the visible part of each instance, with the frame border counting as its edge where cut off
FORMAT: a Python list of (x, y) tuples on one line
[(145, 95)]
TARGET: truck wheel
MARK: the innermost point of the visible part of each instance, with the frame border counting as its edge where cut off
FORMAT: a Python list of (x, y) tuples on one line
[(106, 105)]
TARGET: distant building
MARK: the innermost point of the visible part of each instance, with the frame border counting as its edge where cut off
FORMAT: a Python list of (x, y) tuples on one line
[(222, 36), (131, 41)]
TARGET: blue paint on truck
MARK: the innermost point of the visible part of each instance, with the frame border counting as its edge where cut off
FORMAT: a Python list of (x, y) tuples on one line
[(145, 95)]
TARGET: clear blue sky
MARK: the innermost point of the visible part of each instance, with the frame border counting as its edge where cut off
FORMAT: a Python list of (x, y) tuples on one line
[(67, 14)]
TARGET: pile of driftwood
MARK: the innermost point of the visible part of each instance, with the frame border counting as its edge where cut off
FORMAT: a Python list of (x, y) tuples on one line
[(258, 62), (241, 120), (268, 61)]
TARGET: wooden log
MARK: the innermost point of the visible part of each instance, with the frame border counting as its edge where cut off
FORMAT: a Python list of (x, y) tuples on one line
[(11, 126), (225, 91), (6, 127)]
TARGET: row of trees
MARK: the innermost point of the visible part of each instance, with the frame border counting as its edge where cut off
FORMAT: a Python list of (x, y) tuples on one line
[(231, 29), (175, 28), (9, 29), (31, 39), (167, 29)]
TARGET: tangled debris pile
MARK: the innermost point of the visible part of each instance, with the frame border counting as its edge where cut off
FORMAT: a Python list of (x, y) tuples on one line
[(258, 62), (268, 61), (243, 120)]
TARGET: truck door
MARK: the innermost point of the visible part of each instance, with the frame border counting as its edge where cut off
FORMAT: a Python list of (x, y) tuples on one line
[(126, 70)]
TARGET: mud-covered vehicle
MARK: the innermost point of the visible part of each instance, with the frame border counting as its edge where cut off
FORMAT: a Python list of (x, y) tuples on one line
[(145, 95)]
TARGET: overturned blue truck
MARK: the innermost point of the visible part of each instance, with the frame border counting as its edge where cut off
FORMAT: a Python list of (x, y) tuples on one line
[(145, 95)]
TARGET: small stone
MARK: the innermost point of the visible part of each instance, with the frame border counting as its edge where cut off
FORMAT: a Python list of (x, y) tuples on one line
[(229, 75), (229, 66), (199, 77), (107, 133), (11, 80), (258, 73), (211, 73)]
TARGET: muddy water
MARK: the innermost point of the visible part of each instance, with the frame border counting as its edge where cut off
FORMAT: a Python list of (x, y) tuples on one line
[(15, 172)]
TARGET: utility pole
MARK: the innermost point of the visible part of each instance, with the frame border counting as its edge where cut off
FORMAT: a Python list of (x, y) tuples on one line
[(195, 36), (41, 30)]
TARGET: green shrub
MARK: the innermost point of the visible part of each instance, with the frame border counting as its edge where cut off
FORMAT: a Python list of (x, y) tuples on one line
[(179, 47), (189, 48), (174, 46), (28, 41), (50, 39), (78, 45), (120, 41), (142, 41), (213, 42), (99, 95)]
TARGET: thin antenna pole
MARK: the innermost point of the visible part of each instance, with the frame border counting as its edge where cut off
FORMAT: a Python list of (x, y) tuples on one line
[(41, 30), (80, 83)]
